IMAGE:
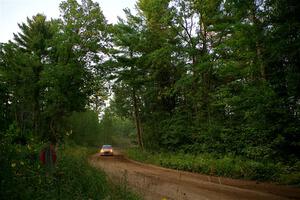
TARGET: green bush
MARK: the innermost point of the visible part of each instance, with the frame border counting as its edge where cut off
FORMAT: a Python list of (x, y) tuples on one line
[(22, 176), (227, 166), (290, 179)]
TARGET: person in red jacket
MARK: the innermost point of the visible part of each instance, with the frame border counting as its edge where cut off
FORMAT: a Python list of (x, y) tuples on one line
[(48, 156)]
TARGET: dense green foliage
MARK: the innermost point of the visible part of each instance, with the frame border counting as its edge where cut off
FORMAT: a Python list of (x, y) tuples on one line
[(117, 131), (211, 76), (22, 176), (226, 166), (85, 128), (51, 70), (206, 77), (50, 81)]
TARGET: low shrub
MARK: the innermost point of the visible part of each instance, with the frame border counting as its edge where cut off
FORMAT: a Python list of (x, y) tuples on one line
[(227, 166)]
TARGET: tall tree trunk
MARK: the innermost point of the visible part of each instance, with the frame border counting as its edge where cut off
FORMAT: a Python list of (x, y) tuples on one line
[(137, 119), (52, 137), (36, 114), (206, 73), (258, 43), (260, 60), (36, 99)]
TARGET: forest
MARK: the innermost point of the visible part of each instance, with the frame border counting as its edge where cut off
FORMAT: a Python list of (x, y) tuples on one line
[(219, 77)]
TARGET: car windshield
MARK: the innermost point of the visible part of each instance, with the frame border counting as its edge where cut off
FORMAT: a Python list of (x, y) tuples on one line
[(106, 147)]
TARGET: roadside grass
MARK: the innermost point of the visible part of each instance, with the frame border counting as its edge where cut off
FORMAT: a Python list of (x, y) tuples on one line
[(22, 177), (95, 180), (226, 166)]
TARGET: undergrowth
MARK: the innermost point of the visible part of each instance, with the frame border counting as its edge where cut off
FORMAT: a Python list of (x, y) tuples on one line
[(227, 166), (23, 177)]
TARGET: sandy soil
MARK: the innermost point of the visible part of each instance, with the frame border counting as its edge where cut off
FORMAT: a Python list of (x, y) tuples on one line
[(156, 183)]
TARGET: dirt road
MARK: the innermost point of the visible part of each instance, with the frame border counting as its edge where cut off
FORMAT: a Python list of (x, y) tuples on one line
[(156, 183)]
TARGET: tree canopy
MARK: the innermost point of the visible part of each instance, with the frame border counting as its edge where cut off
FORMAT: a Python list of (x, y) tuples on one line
[(200, 76)]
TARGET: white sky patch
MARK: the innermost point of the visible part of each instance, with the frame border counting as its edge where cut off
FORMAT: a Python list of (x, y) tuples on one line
[(13, 12)]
